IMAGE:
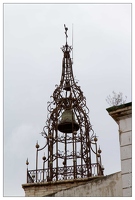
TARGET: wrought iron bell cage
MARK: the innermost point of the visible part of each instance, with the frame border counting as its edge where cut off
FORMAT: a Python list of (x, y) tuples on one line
[(70, 143)]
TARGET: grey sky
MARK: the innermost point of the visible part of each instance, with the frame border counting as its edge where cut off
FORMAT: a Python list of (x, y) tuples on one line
[(33, 35)]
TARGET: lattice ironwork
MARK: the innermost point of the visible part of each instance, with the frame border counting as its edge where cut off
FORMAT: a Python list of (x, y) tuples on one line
[(71, 145)]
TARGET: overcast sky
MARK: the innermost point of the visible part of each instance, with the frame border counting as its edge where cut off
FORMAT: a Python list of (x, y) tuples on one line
[(33, 35)]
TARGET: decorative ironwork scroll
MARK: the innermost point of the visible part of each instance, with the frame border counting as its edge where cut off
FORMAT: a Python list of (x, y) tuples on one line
[(70, 142)]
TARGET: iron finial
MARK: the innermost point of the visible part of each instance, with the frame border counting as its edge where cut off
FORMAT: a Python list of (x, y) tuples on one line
[(44, 158), (27, 162), (66, 29), (37, 145), (99, 150), (95, 138)]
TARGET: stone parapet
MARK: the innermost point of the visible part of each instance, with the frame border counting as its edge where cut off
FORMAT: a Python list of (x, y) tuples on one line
[(96, 186), (50, 188)]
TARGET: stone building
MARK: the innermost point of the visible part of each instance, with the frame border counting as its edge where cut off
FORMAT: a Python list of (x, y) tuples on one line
[(123, 117)]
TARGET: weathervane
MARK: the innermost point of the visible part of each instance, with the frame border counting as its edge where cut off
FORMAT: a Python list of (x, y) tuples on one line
[(70, 143), (66, 29)]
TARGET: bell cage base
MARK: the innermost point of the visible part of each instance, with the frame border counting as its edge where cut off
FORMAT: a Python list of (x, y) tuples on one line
[(50, 188)]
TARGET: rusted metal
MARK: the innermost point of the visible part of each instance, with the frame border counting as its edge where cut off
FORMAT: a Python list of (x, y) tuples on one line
[(42, 175), (72, 153)]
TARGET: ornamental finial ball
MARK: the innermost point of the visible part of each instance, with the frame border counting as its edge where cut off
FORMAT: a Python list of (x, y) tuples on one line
[(99, 150), (44, 158), (27, 162), (37, 145)]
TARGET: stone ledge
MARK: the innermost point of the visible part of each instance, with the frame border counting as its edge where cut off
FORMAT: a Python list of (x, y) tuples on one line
[(114, 108), (71, 181), (119, 112), (52, 188)]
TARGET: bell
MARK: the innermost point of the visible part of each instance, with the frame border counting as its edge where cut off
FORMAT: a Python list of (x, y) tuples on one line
[(68, 123)]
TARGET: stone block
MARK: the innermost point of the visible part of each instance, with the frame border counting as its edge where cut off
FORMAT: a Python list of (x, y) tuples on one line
[(127, 180), (125, 124), (127, 192), (126, 152), (125, 138), (126, 166)]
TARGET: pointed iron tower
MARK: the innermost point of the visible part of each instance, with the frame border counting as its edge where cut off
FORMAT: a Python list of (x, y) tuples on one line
[(70, 143)]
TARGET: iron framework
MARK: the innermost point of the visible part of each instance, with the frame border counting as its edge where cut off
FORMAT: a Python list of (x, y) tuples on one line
[(68, 155)]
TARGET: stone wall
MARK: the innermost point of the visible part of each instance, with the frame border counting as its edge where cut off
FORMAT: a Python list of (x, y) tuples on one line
[(50, 188), (97, 186), (123, 116), (126, 155), (108, 186)]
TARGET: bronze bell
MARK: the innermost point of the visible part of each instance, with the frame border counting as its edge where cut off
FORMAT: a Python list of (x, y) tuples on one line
[(68, 123)]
